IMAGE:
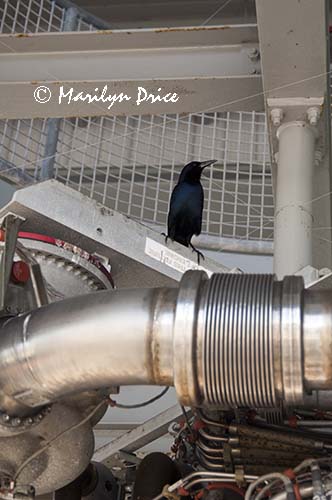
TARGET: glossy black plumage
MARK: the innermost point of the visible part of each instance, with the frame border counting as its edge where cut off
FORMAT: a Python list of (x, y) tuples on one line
[(186, 205)]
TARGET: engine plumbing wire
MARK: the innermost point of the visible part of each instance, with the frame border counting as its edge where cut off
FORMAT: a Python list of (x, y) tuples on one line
[(276, 477), (138, 405), (199, 477)]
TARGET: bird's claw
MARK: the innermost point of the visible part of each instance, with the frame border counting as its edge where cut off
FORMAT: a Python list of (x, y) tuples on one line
[(166, 237), (199, 254)]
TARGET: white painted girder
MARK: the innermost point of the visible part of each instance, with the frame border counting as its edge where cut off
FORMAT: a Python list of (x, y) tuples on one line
[(208, 68)]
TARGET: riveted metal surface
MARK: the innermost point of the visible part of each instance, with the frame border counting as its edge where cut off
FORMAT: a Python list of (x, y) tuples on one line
[(67, 273), (53, 468)]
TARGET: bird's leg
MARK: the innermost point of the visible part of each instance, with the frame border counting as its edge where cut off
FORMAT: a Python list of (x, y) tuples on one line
[(166, 237), (199, 254)]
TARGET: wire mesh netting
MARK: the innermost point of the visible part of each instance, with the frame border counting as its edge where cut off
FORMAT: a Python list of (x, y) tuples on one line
[(131, 163), (35, 16)]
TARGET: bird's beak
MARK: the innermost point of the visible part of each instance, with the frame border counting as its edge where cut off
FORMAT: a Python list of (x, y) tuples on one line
[(207, 163)]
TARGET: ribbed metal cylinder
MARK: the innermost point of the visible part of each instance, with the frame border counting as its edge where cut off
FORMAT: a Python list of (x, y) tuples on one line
[(233, 341), (237, 348)]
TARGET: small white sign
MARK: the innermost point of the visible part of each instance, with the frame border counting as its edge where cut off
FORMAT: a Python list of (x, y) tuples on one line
[(170, 258)]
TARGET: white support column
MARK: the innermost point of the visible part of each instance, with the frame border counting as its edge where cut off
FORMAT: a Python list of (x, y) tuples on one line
[(293, 248), (294, 49)]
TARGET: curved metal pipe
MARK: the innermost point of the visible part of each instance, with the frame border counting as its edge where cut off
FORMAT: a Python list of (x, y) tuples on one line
[(234, 340), (88, 342)]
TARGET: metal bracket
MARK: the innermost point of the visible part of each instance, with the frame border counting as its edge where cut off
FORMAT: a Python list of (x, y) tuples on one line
[(38, 285), (322, 281), (138, 437), (37, 280), (129, 457), (307, 109), (10, 224)]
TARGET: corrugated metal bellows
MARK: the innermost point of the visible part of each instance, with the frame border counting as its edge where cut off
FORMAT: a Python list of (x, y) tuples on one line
[(237, 348)]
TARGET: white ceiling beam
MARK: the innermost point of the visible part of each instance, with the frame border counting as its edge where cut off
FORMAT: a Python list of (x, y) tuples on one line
[(208, 68)]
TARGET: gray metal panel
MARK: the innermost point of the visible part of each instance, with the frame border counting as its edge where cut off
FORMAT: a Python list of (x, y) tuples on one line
[(54, 209), (293, 40)]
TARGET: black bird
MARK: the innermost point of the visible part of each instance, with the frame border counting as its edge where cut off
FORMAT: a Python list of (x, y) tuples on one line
[(186, 206)]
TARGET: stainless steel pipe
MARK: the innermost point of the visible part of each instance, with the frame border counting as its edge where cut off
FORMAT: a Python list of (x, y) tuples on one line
[(87, 342), (234, 340)]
